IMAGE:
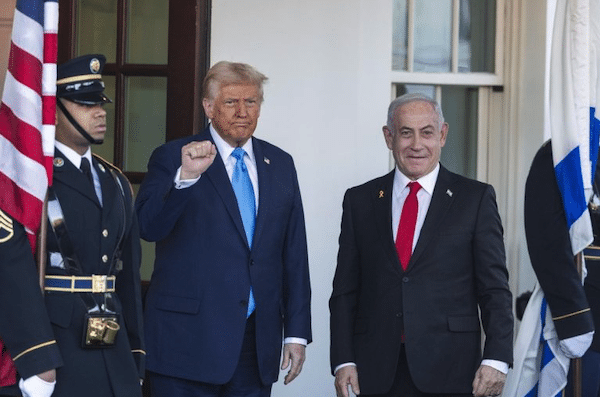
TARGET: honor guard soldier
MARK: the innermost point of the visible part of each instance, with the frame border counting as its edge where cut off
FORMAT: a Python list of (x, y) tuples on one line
[(24, 325), (92, 281), (575, 307)]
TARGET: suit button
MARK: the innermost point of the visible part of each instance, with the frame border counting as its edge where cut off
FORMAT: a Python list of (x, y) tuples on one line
[(105, 233), (251, 262), (104, 258), (405, 279), (399, 314), (243, 303)]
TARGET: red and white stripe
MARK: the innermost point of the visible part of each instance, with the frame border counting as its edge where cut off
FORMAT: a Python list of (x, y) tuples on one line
[(27, 117)]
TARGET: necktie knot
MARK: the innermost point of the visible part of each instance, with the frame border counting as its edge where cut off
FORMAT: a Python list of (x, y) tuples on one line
[(414, 188), (238, 153)]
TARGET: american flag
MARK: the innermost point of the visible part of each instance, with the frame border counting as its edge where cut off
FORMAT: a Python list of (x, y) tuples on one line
[(27, 116)]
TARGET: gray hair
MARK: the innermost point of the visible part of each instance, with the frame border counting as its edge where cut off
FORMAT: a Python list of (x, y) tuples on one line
[(225, 73), (414, 97)]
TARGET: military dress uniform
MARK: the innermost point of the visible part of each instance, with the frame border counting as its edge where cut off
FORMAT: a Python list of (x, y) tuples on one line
[(574, 307), (98, 232), (93, 256), (24, 324)]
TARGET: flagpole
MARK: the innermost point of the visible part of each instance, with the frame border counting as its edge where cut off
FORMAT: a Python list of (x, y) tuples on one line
[(577, 369), (41, 251)]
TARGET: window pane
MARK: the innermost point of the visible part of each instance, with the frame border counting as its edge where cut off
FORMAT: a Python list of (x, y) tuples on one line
[(459, 105), (477, 36), (147, 30), (433, 36), (145, 118), (97, 28), (399, 35), (107, 149)]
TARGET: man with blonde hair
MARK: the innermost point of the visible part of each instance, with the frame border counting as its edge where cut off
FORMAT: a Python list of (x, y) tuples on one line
[(231, 270)]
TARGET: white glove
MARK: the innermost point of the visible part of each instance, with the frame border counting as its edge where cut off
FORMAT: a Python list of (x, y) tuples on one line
[(576, 346), (34, 386)]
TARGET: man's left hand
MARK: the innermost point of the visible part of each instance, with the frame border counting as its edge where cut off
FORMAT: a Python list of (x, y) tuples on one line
[(296, 354), (488, 382)]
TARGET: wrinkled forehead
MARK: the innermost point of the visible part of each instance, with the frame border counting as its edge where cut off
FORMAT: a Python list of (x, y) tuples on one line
[(416, 114)]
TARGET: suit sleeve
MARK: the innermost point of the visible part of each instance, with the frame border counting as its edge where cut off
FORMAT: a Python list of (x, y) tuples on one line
[(296, 279), (494, 296), (344, 298), (24, 323), (159, 205), (129, 285), (550, 249)]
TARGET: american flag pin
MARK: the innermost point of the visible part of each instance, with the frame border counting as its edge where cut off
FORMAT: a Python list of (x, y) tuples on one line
[(381, 194), (449, 192), (267, 160)]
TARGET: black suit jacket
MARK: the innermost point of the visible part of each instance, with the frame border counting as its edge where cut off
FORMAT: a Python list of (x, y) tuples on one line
[(457, 268), (95, 231)]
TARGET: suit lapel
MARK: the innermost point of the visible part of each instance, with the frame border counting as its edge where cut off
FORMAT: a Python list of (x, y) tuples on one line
[(217, 174), (68, 175), (381, 199), (263, 164), (440, 203)]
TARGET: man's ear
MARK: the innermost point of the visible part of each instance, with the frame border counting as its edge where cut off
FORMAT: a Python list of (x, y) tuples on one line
[(207, 104), (388, 135)]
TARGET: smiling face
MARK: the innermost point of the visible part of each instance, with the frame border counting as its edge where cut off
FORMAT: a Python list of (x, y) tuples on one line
[(417, 138), (92, 118), (234, 112)]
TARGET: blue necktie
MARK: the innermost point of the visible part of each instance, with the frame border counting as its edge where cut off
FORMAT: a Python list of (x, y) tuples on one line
[(244, 193)]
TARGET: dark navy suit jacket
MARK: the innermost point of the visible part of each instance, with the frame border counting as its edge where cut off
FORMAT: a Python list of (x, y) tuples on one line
[(197, 299)]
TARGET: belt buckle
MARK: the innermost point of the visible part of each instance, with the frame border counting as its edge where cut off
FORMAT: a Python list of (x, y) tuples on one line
[(98, 283)]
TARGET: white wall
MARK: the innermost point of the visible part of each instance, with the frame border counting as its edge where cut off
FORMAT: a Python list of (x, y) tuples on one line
[(328, 65)]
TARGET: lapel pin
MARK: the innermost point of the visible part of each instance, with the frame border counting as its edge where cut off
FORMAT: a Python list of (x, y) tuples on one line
[(381, 194), (267, 160), (101, 167), (58, 162), (449, 192)]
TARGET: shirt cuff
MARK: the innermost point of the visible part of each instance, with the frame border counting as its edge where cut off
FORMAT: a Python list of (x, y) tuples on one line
[(499, 365), (300, 341), (182, 184), (342, 366)]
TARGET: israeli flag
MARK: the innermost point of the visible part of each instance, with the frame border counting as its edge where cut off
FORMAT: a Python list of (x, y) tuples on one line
[(571, 114), (540, 368), (572, 86)]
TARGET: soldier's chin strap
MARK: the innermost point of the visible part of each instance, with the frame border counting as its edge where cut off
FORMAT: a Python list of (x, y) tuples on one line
[(76, 124)]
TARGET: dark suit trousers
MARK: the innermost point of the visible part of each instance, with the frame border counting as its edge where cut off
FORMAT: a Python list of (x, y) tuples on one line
[(403, 385), (245, 382)]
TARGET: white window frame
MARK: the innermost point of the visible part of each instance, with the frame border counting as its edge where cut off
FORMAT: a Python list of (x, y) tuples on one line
[(483, 80)]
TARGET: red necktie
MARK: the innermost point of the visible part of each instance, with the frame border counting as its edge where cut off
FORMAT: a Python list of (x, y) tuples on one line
[(406, 227)]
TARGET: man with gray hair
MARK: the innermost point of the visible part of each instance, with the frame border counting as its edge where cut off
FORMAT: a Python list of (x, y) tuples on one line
[(231, 270), (421, 255)]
